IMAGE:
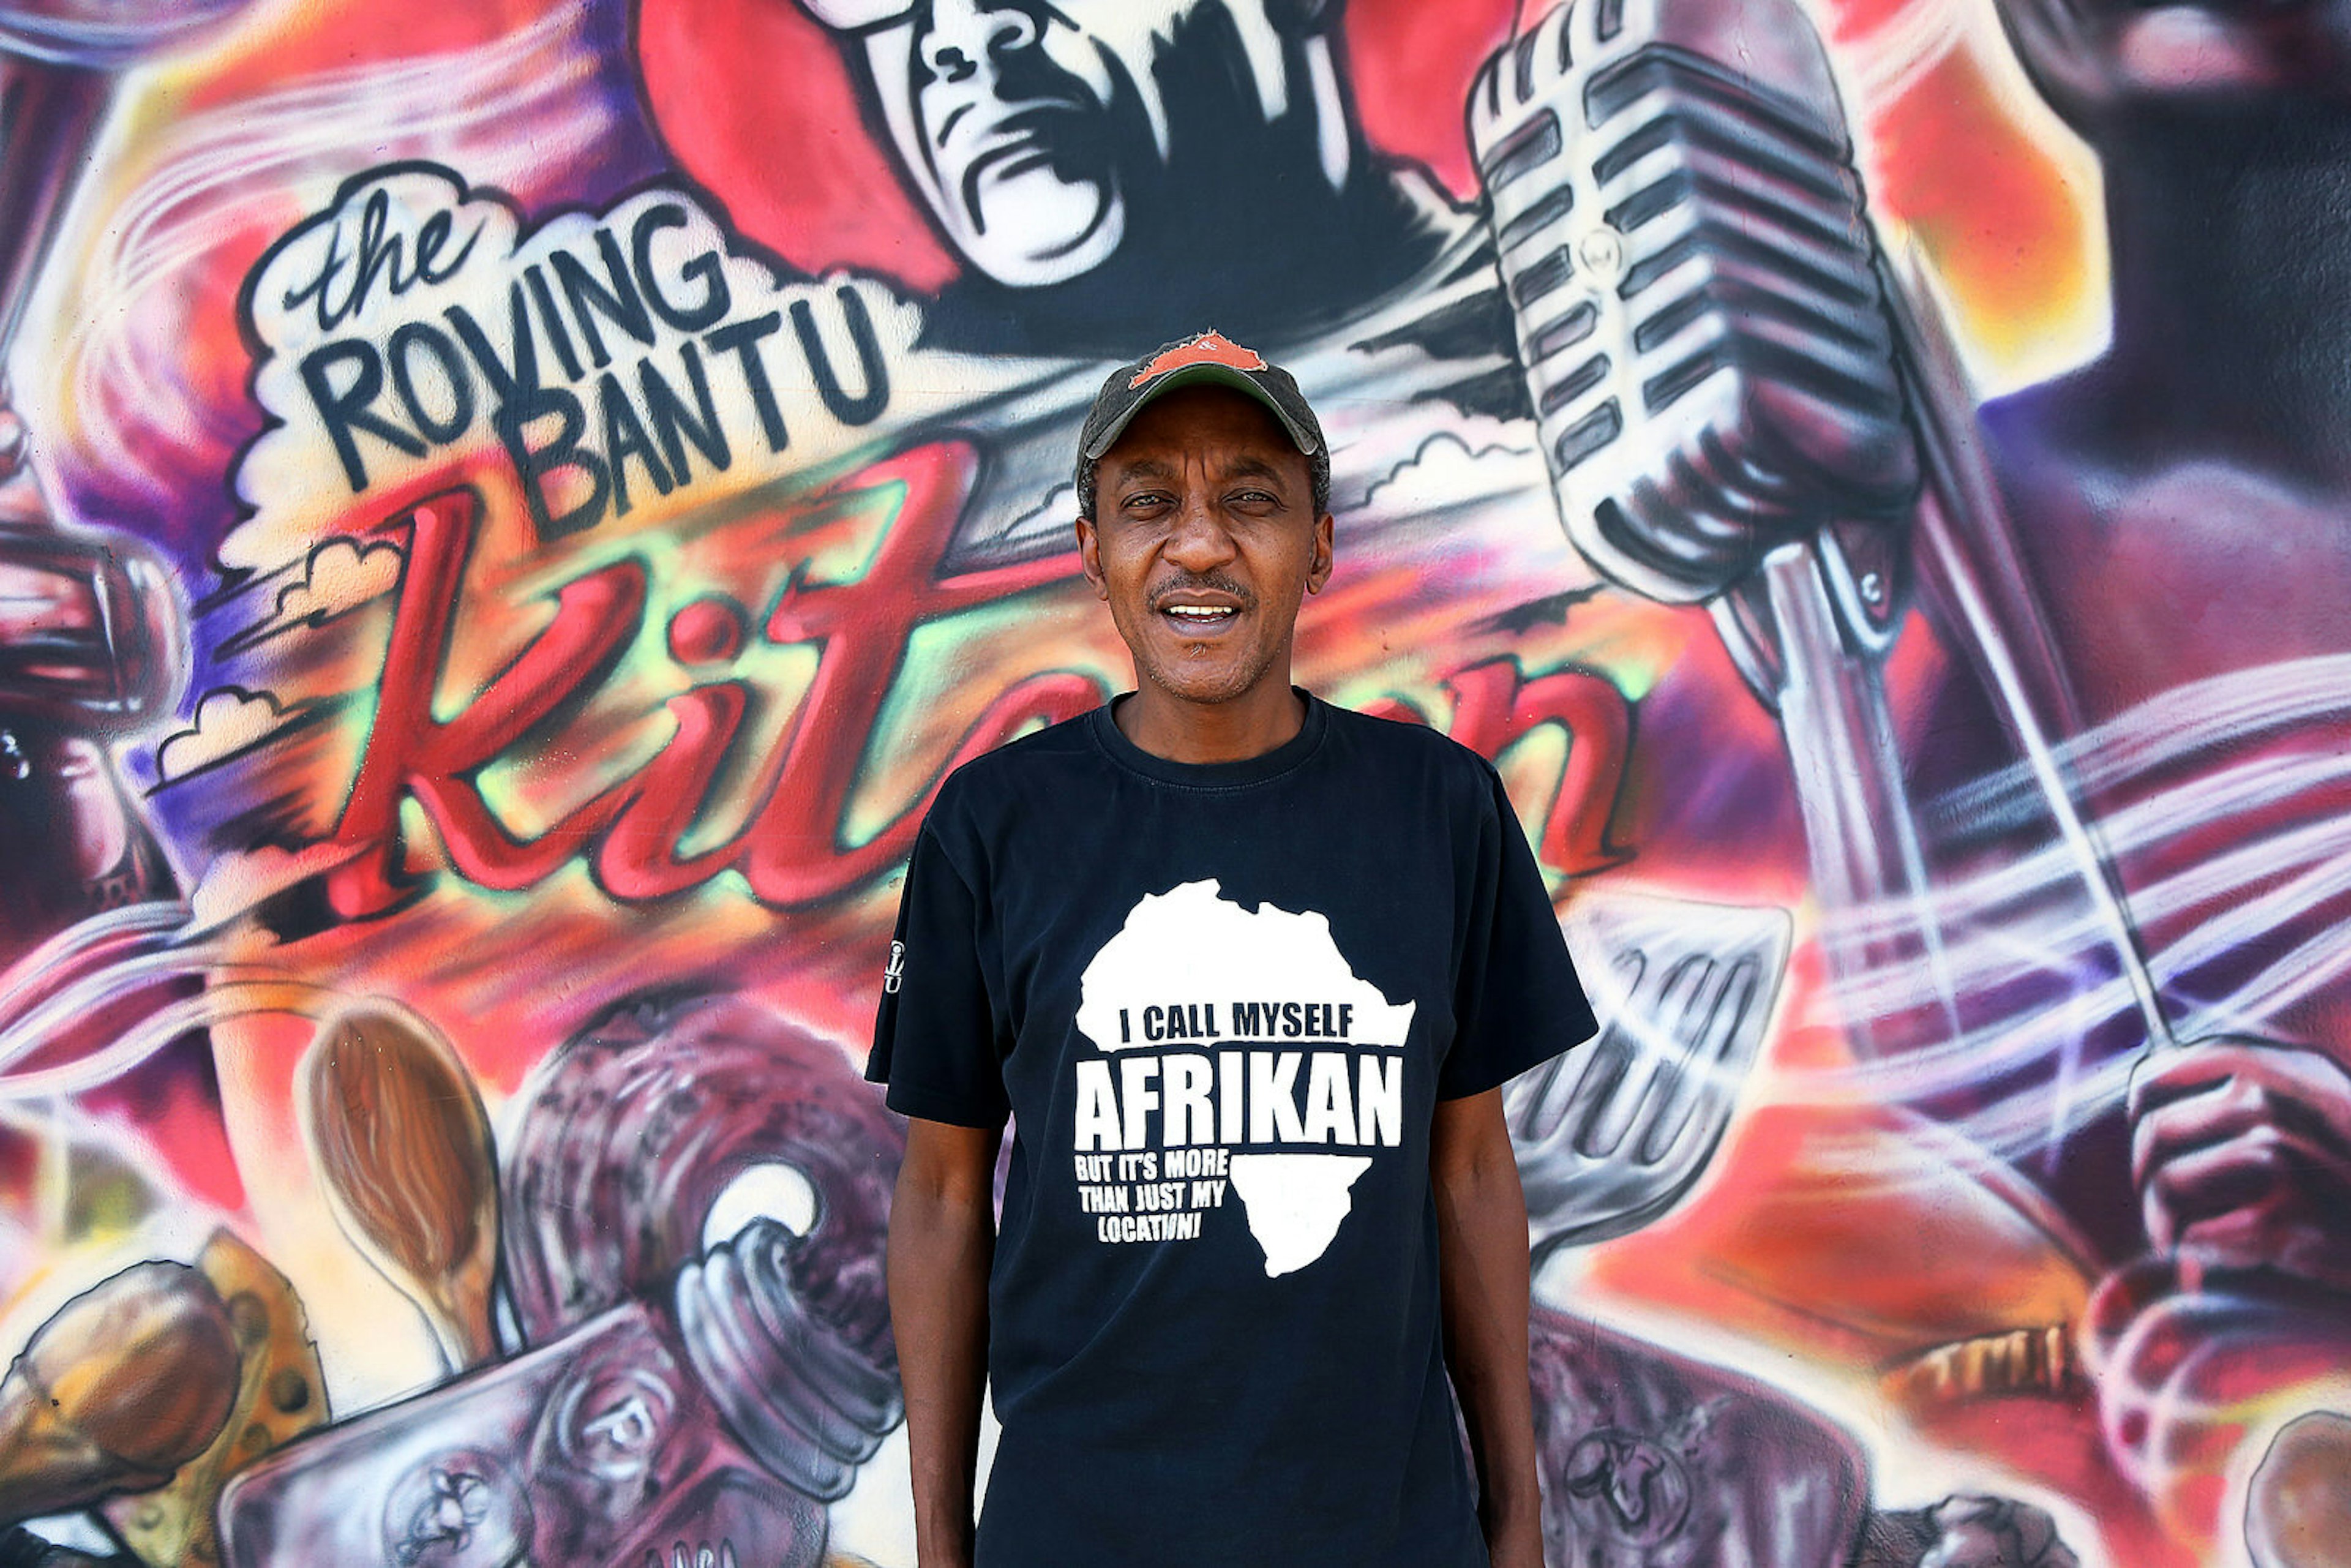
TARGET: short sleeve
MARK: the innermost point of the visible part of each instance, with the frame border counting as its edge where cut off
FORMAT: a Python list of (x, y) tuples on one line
[(935, 1033), (1518, 1001)]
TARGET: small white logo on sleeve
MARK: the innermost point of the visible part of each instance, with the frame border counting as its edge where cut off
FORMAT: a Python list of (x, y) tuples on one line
[(896, 971)]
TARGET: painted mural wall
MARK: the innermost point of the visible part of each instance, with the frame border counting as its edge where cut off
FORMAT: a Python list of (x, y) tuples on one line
[(511, 509)]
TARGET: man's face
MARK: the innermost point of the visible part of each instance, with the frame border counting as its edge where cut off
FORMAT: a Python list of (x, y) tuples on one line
[(1204, 543), (1029, 125), (2092, 59)]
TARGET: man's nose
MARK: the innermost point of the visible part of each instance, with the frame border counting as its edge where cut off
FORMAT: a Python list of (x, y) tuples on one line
[(965, 34), (1199, 542)]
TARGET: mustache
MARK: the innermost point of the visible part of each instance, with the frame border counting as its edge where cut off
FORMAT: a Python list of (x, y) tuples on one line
[(1203, 582)]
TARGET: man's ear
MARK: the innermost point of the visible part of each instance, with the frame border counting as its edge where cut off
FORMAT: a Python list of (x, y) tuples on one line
[(1089, 557), (1318, 571)]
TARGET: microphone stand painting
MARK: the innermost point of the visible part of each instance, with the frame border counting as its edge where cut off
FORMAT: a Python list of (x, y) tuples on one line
[(508, 515), (1733, 386)]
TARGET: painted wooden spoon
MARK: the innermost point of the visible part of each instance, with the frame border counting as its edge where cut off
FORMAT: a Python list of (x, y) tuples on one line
[(404, 1151)]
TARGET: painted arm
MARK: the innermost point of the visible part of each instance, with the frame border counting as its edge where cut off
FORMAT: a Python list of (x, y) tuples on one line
[(942, 1237), (1482, 1275)]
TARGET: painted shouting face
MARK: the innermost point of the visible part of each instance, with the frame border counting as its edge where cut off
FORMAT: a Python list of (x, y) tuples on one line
[(1204, 543), (1033, 127)]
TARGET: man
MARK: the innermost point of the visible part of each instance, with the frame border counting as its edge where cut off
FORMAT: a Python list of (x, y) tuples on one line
[(1246, 973), (1083, 159)]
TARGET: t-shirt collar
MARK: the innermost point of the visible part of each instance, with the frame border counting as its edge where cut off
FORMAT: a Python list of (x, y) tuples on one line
[(1237, 775)]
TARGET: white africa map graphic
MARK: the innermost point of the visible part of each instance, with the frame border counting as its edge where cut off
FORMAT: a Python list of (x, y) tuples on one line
[(1295, 1203), (1191, 944)]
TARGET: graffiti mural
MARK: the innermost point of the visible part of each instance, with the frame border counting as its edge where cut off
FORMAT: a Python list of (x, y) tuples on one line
[(510, 511)]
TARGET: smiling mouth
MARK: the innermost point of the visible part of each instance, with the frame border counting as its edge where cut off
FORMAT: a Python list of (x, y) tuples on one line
[(1195, 619)]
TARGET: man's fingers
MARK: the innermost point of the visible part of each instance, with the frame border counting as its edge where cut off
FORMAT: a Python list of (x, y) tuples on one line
[(2160, 1077), (2183, 1127), (2242, 1195), (1994, 1532), (2164, 1077), (2241, 1110), (2299, 1092), (2247, 1166)]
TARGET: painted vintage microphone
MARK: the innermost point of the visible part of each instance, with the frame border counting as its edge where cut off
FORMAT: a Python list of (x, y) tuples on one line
[(1741, 408)]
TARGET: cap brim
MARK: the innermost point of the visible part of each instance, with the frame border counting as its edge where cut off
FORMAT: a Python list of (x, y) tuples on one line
[(1199, 375)]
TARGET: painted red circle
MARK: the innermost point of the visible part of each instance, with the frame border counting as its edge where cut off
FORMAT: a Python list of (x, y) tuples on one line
[(706, 631)]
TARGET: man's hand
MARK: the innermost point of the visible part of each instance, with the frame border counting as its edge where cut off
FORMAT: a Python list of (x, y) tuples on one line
[(1482, 1285), (942, 1238), (1994, 1532), (2240, 1150), (1965, 1532)]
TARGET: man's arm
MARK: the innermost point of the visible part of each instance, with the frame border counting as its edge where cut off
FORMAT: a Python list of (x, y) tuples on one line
[(1482, 1230), (942, 1235)]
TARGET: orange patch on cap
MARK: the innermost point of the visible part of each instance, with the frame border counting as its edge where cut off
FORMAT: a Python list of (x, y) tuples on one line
[(1208, 349)]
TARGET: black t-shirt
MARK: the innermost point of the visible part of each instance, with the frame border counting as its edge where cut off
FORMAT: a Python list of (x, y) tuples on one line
[(1219, 1002)]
